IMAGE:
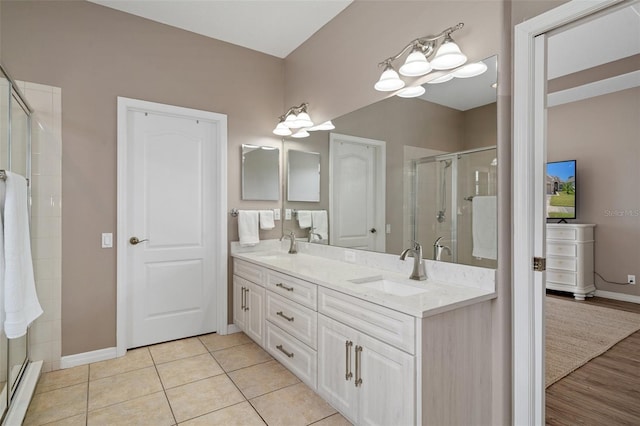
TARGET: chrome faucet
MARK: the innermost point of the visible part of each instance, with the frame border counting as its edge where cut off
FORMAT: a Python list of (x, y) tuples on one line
[(311, 234), (418, 272), (439, 248), (293, 247)]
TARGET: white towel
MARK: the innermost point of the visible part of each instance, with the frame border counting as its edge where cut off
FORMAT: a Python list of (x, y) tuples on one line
[(484, 223), (248, 227), (304, 219), (320, 224), (21, 303), (266, 219)]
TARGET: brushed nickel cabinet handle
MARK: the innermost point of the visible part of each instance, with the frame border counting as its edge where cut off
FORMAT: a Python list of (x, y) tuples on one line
[(358, 381), (279, 313), (347, 369), (281, 349), (246, 306), (284, 286), (242, 299)]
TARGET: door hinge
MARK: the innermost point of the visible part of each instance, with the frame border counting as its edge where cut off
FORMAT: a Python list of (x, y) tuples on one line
[(539, 264)]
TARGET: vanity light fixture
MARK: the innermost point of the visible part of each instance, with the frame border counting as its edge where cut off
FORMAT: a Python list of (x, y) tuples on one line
[(297, 123), (447, 56)]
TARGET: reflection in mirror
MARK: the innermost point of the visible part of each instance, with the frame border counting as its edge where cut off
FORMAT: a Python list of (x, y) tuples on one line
[(456, 117), (260, 173), (303, 176)]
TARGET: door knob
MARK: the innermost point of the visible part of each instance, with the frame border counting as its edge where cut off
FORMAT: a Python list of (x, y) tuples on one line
[(373, 230), (134, 241)]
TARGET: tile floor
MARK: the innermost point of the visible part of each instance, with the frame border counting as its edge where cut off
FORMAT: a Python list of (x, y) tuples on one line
[(205, 380)]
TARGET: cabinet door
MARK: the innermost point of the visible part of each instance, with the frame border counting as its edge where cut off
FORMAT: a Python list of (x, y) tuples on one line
[(254, 313), (336, 343), (238, 301), (387, 392)]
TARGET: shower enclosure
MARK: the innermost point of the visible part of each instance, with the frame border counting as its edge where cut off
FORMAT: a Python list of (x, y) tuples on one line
[(445, 187), (15, 156)]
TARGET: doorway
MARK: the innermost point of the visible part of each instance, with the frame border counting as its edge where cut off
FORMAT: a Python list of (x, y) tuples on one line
[(528, 189), (172, 277)]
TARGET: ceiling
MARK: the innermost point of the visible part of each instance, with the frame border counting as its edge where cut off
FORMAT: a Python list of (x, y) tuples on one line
[(273, 27)]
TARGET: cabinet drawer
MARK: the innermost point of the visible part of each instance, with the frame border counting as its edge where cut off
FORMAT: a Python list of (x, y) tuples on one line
[(561, 277), (293, 318), (561, 249), (564, 264), (562, 234), (300, 359), (248, 271), (292, 288), (385, 324)]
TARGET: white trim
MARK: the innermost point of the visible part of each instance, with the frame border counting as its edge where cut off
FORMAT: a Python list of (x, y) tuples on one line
[(84, 358), (232, 328), (528, 409), (618, 296), (219, 222), (597, 88), (22, 398)]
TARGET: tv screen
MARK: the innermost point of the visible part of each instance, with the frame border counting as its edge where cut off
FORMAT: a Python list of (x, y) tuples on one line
[(561, 189)]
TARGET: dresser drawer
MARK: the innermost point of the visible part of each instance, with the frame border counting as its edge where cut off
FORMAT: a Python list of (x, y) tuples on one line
[(567, 278), (297, 357), (562, 263), (562, 234), (292, 288), (387, 325), (556, 249), (248, 271), (295, 319)]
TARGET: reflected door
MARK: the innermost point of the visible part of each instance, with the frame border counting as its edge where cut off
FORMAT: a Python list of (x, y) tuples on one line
[(171, 275), (357, 211)]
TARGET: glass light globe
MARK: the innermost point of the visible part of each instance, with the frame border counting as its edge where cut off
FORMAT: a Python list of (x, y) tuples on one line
[(448, 56), (303, 120), (442, 79), (411, 92), (389, 80), (300, 134), (470, 70), (281, 130), (415, 65)]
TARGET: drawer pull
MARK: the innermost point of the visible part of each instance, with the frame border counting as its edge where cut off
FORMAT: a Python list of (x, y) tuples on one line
[(279, 313), (243, 299), (284, 286), (358, 381), (347, 347), (281, 349), (246, 306)]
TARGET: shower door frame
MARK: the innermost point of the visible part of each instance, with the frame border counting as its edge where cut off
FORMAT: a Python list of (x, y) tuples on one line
[(453, 204)]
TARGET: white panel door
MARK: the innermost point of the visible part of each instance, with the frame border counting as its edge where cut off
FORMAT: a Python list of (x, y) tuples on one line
[(356, 211), (171, 272)]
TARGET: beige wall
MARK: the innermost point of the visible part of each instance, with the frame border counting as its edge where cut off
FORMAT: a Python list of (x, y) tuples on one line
[(479, 127), (602, 134), (96, 54)]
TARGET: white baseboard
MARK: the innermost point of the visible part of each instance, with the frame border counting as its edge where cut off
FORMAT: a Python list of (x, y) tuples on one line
[(87, 357), (618, 296), (232, 328)]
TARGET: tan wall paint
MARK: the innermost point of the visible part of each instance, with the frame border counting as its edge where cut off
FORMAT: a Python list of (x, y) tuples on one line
[(479, 127), (602, 134), (96, 54)]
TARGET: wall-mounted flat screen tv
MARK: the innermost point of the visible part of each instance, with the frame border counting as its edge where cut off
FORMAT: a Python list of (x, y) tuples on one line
[(561, 189)]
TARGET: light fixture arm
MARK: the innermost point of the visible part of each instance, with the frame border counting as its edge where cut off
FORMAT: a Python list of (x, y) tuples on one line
[(295, 110), (426, 44)]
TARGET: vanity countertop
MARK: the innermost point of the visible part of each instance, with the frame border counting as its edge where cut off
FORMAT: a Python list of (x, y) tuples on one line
[(440, 296)]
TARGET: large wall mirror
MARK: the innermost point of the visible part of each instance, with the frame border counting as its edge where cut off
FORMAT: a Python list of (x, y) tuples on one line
[(419, 168), (260, 173)]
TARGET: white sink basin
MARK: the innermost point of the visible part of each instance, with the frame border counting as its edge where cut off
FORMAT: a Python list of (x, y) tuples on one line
[(388, 286)]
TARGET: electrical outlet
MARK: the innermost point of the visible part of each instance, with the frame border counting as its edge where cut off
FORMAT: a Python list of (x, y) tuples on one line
[(631, 279)]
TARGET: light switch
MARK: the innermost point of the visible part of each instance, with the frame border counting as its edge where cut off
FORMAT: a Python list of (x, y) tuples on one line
[(287, 214), (276, 214), (107, 240)]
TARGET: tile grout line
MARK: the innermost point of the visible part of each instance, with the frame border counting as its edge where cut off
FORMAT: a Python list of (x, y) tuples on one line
[(164, 390)]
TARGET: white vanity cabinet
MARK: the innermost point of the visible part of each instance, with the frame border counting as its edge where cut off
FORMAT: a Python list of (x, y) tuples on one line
[(248, 300), (570, 259), (292, 324), (369, 382)]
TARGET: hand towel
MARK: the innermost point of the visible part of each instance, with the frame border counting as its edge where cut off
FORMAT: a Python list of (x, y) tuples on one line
[(484, 222), (248, 227), (304, 219), (266, 219), (21, 303), (320, 224)]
